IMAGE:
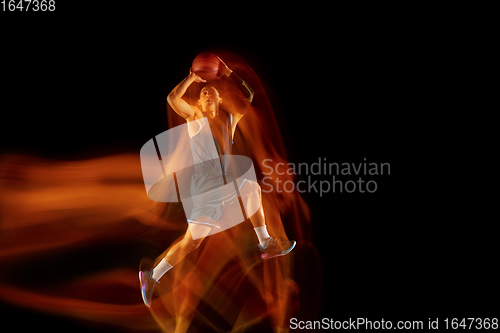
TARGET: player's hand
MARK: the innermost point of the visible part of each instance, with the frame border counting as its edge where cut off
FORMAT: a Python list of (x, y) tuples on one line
[(195, 77), (224, 69)]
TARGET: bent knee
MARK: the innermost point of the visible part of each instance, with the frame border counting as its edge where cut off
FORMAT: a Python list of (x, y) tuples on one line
[(250, 188)]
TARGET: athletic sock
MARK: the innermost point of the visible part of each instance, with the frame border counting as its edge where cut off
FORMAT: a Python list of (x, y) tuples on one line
[(161, 269), (262, 235)]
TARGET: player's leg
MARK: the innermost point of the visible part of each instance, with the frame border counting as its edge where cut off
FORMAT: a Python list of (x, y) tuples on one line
[(251, 195), (194, 236), (192, 239)]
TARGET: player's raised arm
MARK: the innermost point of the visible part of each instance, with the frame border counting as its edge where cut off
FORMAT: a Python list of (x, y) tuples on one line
[(180, 106), (237, 81)]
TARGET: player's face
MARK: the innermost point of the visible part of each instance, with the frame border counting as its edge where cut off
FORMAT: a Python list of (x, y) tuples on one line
[(209, 97)]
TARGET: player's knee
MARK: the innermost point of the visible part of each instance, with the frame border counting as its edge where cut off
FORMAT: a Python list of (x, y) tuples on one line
[(251, 188)]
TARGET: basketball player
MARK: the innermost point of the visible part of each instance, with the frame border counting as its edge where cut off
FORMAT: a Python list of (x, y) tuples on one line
[(211, 175)]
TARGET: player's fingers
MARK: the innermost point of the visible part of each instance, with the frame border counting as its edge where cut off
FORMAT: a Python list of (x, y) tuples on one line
[(197, 78)]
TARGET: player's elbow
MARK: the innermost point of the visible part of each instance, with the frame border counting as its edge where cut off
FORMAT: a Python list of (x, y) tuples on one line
[(170, 100), (180, 107), (173, 102)]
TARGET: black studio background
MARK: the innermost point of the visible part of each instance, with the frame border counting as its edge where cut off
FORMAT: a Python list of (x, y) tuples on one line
[(88, 83)]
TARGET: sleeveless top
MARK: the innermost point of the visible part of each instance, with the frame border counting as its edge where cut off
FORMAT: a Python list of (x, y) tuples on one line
[(207, 146)]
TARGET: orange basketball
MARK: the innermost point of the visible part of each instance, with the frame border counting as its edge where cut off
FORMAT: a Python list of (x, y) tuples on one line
[(206, 65)]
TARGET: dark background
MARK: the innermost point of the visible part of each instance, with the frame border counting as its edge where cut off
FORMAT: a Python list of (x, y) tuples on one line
[(80, 83)]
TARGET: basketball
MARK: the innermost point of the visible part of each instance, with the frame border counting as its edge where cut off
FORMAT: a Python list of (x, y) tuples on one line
[(206, 66)]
